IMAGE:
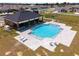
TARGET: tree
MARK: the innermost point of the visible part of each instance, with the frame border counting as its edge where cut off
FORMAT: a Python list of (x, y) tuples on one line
[(57, 3)]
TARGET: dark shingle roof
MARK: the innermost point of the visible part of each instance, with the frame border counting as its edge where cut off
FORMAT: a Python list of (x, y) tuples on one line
[(22, 16)]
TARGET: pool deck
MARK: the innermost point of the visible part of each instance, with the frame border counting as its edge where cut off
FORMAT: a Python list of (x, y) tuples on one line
[(65, 37)]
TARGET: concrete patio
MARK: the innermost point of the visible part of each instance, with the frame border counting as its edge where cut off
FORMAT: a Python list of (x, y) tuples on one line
[(65, 37)]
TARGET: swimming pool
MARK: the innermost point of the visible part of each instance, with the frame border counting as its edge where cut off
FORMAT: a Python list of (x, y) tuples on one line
[(46, 30)]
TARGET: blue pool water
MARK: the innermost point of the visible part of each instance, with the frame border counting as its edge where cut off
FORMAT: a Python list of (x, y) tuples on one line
[(46, 30)]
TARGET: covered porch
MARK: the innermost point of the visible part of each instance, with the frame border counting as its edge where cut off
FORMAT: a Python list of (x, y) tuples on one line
[(23, 25)]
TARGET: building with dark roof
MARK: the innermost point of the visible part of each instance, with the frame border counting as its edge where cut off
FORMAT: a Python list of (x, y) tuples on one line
[(22, 19)]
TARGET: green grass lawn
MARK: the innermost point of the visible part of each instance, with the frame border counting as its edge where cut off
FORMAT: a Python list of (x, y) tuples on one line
[(67, 12), (69, 20), (49, 16)]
